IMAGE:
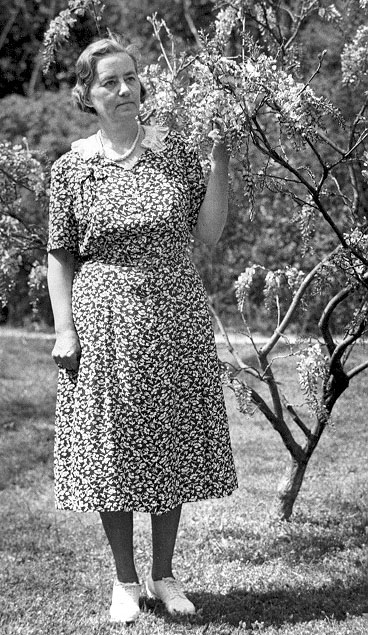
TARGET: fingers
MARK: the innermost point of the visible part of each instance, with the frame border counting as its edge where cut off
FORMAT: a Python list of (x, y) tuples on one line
[(69, 364), (217, 133), (69, 361), (216, 136)]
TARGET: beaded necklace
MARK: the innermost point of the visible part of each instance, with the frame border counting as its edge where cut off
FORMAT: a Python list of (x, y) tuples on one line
[(126, 154)]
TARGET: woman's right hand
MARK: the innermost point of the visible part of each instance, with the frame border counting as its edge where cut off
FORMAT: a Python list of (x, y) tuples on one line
[(66, 352)]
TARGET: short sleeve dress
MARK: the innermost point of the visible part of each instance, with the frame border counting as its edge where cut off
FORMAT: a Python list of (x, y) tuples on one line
[(141, 426)]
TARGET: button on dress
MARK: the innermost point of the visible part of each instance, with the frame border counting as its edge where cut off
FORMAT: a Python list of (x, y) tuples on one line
[(142, 425)]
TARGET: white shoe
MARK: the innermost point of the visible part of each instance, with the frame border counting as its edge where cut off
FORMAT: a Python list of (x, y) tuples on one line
[(125, 601), (170, 592)]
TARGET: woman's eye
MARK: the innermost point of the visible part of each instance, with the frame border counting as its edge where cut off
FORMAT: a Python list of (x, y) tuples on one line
[(109, 82)]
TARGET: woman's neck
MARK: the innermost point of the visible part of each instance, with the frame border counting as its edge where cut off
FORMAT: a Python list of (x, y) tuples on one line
[(119, 136)]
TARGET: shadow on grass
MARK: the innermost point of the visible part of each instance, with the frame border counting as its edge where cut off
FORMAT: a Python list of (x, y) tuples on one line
[(20, 409), (275, 608)]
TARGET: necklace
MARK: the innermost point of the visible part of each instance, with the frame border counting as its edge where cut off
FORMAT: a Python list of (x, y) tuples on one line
[(126, 154)]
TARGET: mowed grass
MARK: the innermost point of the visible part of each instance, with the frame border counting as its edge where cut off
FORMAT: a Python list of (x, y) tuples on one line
[(245, 573)]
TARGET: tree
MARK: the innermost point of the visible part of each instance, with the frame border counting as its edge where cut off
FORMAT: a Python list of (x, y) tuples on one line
[(286, 141), (290, 146)]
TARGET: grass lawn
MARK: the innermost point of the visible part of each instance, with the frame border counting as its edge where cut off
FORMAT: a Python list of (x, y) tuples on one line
[(244, 573)]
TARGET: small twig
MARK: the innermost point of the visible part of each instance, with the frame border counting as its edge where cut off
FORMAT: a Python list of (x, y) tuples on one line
[(332, 144), (347, 153), (156, 31), (321, 57), (9, 25), (345, 198), (189, 19), (232, 350), (16, 181)]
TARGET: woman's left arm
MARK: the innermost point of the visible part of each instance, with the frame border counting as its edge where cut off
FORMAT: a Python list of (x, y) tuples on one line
[(213, 211)]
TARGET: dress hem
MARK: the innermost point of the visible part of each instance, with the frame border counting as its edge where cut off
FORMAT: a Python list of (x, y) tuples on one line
[(135, 508)]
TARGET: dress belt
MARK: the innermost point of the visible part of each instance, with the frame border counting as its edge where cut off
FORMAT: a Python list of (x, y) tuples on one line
[(152, 263)]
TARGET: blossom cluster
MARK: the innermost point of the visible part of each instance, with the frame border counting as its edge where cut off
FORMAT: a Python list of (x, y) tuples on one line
[(354, 58), (9, 267), (275, 284), (60, 27), (312, 368), (242, 392), (306, 219), (37, 284), (245, 282)]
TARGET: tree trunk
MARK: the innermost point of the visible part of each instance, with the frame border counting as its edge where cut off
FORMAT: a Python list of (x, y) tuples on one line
[(289, 488)]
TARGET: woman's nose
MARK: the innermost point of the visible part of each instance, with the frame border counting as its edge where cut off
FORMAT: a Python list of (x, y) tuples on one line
[(123, 90)]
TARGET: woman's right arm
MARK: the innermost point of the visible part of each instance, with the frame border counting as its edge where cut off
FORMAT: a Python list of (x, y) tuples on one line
[(66, 351)]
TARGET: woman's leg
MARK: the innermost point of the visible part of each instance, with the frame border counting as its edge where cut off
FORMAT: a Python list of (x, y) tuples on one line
[(169, 591), (164, 530), (118, 527)]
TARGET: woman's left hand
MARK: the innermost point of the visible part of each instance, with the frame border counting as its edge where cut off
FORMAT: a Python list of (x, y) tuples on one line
[(220, 152)]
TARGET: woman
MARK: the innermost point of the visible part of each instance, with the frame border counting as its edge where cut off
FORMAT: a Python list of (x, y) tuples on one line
[(140, 417)]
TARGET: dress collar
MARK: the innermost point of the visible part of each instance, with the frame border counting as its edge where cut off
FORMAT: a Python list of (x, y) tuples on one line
[(154, 137)]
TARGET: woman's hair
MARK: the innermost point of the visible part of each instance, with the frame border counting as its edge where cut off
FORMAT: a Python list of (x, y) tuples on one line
[(85, 68)]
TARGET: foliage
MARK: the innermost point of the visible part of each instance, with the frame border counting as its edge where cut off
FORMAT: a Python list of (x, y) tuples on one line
[(24, 186), (49, 121)]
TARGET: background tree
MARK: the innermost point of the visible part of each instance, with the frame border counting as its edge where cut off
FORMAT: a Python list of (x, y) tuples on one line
[(287, 142)]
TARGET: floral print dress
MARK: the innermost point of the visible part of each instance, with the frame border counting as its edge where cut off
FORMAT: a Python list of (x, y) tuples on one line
[(141, 426)]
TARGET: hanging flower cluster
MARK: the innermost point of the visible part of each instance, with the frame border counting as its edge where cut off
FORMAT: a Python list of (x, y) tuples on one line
[(37, 284), (312, 369), (9, 265), (354, 58), (20, 171), (224, 24), (278, 281), (245, 282), (241, 390), (306, 216), (329, 13), (59, 29), (365, 163), (275, 284)]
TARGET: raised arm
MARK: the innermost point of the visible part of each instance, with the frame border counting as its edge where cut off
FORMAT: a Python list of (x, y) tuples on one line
[(66, 351), (213, 211)]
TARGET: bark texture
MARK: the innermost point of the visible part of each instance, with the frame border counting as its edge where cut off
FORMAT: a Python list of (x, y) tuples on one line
[(289, 488)]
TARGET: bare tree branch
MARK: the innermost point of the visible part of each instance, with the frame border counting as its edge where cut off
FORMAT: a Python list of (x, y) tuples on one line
[(291, 410), (230, 347), (9, 25), (357, 369), (347, 341), (189, 19)]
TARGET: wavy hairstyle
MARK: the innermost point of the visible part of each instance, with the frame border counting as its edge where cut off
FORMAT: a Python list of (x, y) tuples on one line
[(85, 68)]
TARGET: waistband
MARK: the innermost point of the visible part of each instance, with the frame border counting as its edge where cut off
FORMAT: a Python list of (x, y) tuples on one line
[(149, 262)]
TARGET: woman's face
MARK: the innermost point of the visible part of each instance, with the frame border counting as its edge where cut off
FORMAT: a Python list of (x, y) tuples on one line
[(115, 90)]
